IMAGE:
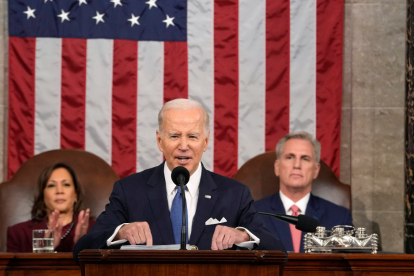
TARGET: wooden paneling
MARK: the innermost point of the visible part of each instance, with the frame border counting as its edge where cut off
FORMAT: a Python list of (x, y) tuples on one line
[(199, 263), (317, 264), (30, 264)]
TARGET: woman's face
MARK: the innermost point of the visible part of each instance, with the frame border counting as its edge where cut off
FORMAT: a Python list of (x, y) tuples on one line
[(59, 192)]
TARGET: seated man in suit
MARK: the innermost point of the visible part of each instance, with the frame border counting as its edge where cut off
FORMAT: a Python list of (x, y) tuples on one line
[(142, 203), (296, 165)]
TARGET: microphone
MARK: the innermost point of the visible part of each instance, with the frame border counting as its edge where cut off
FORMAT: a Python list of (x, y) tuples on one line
[(303, 222), (180, 176)]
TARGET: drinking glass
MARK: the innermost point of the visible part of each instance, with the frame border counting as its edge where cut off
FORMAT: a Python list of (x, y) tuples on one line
[(43, 241)]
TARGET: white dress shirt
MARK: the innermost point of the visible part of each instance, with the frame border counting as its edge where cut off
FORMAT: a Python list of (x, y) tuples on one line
[(191, 197), (287, 203)]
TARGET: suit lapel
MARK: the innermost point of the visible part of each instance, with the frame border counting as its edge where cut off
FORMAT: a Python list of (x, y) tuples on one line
[(204, 205), (311, 210), (281, 227), (157, 196)]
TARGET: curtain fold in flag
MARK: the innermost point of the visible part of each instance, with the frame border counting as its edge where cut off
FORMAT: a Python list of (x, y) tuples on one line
[(92, 75)]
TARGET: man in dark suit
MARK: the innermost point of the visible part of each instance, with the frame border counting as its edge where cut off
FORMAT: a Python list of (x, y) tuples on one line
[(141, 209), (296, 165)]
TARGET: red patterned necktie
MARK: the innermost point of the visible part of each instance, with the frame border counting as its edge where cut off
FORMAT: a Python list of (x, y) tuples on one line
[(296, 234)]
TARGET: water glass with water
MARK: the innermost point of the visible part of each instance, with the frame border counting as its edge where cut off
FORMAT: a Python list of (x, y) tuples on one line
[(43, 241)]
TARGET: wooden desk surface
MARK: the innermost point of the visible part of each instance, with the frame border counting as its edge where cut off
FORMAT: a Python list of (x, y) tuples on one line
[(62, 264)]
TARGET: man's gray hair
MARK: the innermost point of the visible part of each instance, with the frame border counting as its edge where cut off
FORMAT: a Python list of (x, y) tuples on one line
[(303, 135), (184, 104)]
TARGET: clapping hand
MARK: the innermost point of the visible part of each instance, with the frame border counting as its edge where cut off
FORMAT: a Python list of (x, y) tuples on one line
[(80, 230), (83, 224), (56, 225)]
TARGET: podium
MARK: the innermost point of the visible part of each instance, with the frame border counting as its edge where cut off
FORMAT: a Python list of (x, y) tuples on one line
[(181, 262), (230, 262)]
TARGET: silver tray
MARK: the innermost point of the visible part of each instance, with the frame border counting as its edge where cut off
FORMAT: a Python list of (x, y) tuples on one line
[(341, 238)]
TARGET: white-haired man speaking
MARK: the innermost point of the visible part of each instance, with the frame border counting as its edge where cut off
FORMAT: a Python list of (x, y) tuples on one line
[(143, 209)]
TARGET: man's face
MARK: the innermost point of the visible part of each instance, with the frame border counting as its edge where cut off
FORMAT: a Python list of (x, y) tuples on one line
[(183, 140), (296, 167)]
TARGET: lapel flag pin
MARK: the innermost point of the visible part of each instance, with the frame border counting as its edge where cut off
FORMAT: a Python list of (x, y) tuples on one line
[(208, 196)]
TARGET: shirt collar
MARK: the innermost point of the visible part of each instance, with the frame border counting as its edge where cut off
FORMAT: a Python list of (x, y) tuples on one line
[(192, 184), (302, 203)]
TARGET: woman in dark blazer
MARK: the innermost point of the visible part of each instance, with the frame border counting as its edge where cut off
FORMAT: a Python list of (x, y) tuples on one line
[(57, 206)]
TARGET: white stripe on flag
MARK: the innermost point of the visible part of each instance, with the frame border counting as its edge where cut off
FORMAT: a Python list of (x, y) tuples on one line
[(98, 114), (252, 79), (150, 100), (47, 94), (200, 43), (303, 66)]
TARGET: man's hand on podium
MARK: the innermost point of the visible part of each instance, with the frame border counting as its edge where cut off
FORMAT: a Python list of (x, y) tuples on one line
[(135, 233), (225, 237)]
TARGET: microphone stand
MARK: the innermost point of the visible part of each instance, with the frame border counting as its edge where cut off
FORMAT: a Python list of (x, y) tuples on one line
[(288, 219), (183, 228), (303, 222), (181, 176)]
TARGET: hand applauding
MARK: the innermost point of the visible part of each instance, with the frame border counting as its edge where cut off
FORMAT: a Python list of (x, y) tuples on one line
[(80, 229), (83, 224), (56, 225)]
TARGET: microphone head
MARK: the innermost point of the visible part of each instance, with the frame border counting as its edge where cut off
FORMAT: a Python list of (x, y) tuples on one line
[(180, 175), (307, 223)]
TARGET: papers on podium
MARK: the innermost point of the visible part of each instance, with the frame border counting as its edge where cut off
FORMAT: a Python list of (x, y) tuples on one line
[(156, 247)]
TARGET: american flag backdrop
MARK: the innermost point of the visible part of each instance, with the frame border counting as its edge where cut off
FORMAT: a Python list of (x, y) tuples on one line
[(93, 74)]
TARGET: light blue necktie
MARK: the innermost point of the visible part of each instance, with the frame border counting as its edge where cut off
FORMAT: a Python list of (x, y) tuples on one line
[(176, 216)]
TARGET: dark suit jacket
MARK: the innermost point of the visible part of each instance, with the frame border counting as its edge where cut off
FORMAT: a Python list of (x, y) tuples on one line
[(328, 214), (19, 236), (143, 197)]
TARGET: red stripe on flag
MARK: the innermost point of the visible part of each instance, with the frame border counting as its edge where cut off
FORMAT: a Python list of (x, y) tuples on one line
[(21, 102), (175, 70), (277, 71), (329, 79), (226, 86), (72, 125), (124, 107)]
